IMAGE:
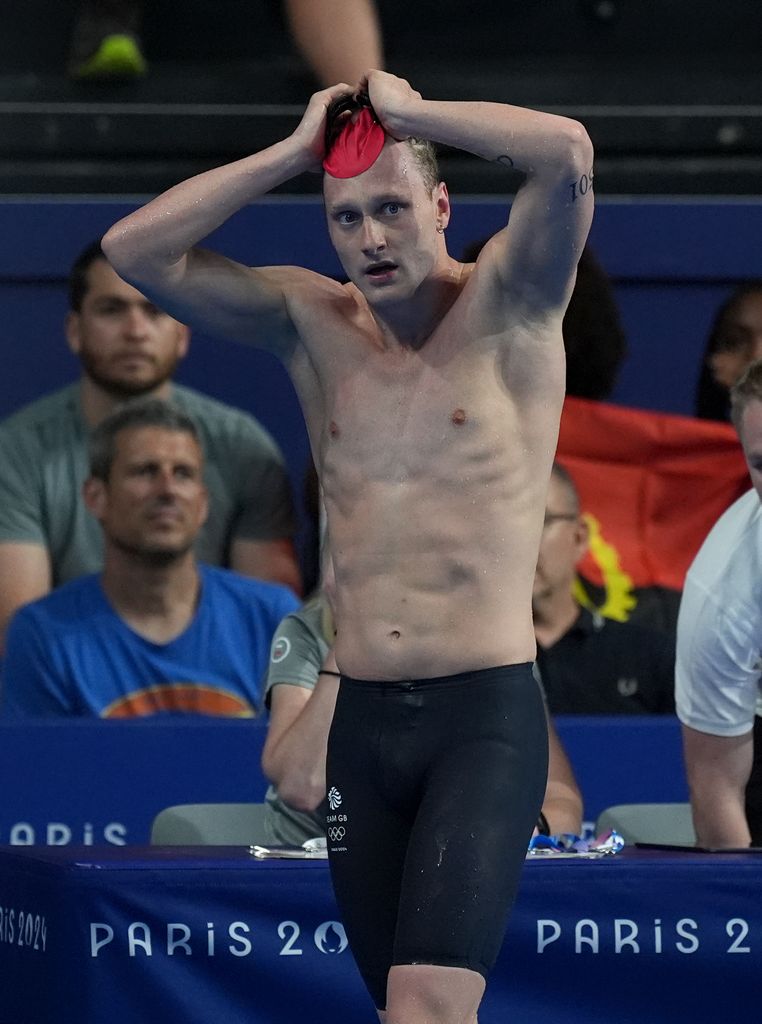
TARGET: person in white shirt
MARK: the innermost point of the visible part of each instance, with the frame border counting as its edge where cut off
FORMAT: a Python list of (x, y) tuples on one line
[(719, 641)]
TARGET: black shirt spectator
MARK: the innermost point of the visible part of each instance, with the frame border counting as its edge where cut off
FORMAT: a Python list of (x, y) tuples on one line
[(602, 667), (588, 664)]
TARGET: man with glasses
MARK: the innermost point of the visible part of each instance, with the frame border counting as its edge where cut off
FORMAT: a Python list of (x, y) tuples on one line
[(588, 664)]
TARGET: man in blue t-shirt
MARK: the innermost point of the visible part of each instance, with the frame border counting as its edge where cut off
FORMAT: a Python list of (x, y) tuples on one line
[(155, 632)]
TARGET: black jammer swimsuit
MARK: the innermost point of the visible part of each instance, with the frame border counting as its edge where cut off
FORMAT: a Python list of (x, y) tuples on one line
[(434, 788)]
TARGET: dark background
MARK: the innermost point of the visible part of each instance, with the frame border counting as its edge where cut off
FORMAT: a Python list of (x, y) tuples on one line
[(669, 89)]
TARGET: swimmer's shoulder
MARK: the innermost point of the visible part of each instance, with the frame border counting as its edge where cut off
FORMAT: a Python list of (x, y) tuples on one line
[(309, 286), (319, 304)]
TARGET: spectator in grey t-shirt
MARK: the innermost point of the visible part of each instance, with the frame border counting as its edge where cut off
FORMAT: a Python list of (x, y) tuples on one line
[(301, 688), (129, 348)]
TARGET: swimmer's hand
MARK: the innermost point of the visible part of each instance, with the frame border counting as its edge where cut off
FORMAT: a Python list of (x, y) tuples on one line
[(392, 99), (310, 132)]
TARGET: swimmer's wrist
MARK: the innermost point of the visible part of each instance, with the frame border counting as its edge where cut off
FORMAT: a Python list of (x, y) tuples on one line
[(297, 154), (405, 121)]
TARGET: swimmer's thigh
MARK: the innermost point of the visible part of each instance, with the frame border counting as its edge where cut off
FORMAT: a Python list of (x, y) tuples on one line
[(367, 852), (469, 840)]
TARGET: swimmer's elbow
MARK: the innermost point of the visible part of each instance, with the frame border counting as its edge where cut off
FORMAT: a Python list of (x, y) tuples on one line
[(577, 145), (568, 153), (133, 258), (119, 249)]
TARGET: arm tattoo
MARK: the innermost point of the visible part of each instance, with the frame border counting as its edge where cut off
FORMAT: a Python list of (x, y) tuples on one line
[(582, 187), (505, 160)]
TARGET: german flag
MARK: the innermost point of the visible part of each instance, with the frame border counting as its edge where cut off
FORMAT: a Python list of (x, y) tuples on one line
[(652, 485)]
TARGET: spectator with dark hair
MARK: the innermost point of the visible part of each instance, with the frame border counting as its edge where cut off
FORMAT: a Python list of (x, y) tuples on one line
[(155, 632), (129, 348), (594, 339), (735, 341)]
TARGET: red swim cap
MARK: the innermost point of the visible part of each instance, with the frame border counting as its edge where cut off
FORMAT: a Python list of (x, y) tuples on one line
[(357, 147)]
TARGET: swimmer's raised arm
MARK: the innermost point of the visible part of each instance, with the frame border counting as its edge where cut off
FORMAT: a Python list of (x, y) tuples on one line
[(534, 259), (155, 248)]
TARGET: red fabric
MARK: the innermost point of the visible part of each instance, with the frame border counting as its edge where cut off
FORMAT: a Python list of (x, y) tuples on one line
[(655, 482), (357, 148)]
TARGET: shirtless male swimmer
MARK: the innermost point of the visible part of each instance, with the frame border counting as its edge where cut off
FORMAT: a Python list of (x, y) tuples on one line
[(432, 393)]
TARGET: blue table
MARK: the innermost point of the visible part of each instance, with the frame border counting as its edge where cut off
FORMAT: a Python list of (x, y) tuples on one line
[(207, 935), (72, 781)]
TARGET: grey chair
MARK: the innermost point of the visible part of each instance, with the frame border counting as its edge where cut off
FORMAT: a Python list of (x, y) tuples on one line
[(649, 823), (209, 825)]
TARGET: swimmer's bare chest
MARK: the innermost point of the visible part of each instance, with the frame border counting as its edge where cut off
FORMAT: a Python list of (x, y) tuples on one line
[(430, 477), (407, 415), (456, 421)]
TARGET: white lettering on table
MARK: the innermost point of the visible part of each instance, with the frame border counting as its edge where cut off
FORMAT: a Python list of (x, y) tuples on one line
[(23, 928), (621, 935), (58, 833), (176, 938)]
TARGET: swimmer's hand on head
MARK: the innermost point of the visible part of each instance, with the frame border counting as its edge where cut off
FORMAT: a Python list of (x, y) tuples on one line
[(392, 99), (310, 132), (389, 97), (355, 132)]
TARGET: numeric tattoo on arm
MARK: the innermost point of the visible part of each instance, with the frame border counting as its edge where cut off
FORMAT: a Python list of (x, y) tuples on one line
[(582, 187)]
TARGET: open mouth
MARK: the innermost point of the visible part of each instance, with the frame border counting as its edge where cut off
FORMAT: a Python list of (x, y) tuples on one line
[(381, 270)]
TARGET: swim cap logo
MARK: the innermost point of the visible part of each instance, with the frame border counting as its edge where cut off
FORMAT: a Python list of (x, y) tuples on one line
[(334, 798)]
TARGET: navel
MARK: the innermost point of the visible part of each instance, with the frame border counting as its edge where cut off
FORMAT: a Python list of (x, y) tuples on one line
[(458, 417), (333, 428)]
